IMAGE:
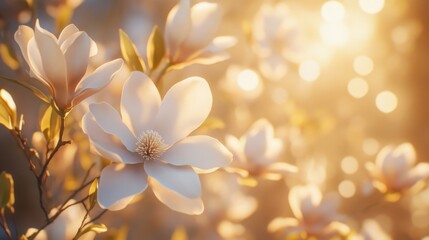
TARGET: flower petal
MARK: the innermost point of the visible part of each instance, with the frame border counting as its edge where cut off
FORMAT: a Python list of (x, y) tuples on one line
[(205, 18), (110, 121), (184, 108), (113, 180), (419, 172), (53, 61), (182, 180), (257, 140), (96, 80), (177, 27), (22, 37), (76, 52), (202, 152), (277, 170), (107, 145), (191, 206), (139, 102), (69, 31), (304, 198), (36, 65)]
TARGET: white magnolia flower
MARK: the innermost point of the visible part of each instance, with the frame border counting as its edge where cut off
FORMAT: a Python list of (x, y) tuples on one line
[(315, 216), (61, 63), (371, 230), (276, 39), (256, 152), (395, 169), (190, 34), (149, 144), (65, 226)]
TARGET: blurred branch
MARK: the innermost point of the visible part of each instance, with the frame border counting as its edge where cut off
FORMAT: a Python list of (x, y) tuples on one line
[(4, 225)]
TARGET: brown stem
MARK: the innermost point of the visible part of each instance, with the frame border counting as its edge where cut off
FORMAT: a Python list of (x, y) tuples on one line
[(4, 224)]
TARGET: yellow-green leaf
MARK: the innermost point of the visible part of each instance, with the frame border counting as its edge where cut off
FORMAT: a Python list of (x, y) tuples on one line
[(50, 123), (93, 193), (7, 196), (93, 227), (155, 48), (129, 53), (7, 56), (10, 105), (179, 234)]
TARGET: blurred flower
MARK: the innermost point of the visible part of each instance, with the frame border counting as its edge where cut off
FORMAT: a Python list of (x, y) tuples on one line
[(255, 153), (371, 230), (60, 63), (61, 162), (395, 171), (65, 226), (149, 143), (276, 41), (314, 217), (190, 32)]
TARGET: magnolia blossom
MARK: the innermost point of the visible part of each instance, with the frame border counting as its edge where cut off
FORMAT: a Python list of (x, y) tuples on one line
[(149, 144), (61, 63), (256, 152), (395, 169), (276, 39), (315, 216), (371, 230), (190, 32), (65, 226)]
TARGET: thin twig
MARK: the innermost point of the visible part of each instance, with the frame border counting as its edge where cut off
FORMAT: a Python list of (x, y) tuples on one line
[(4, 224)]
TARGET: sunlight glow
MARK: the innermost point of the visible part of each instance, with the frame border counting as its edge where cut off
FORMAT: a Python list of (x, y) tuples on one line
[(334, 34)]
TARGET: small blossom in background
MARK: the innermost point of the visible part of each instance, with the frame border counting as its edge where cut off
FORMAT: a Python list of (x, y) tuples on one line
[(65, 226), (276, 39), (371, 230), (60, 64), (190, 34), (149, 143), (316, 216), (256, 153), (395, 170)]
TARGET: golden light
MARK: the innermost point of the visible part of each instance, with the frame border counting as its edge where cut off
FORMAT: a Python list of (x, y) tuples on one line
[(371, 6), (333, 11), (309, 70), (386, 101), (334, 34), (370, 146), (357, 87), (363, 65), (248, 80), (347, 189), (349, 165)]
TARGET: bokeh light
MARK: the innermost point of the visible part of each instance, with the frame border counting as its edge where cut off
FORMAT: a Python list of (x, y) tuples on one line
[(248, 80), (371, 6), (347, 189), (334, 34), (386, 101), (370, 146), (357, 87), (333, 11), (349, 165), (363, 65), (309, 70)]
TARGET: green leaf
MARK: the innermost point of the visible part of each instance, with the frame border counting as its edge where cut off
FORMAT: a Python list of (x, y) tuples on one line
[(50, 123), (35, 90), (7, 196), (8, 57), (4, 116), (93, 227), (129, 53), (155, 48), (93, 193)]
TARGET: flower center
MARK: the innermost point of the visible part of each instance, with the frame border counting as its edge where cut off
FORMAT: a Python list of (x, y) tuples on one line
[(150, 145)]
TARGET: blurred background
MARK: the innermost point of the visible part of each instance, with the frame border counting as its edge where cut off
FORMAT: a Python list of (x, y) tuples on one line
[(338, 79)]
